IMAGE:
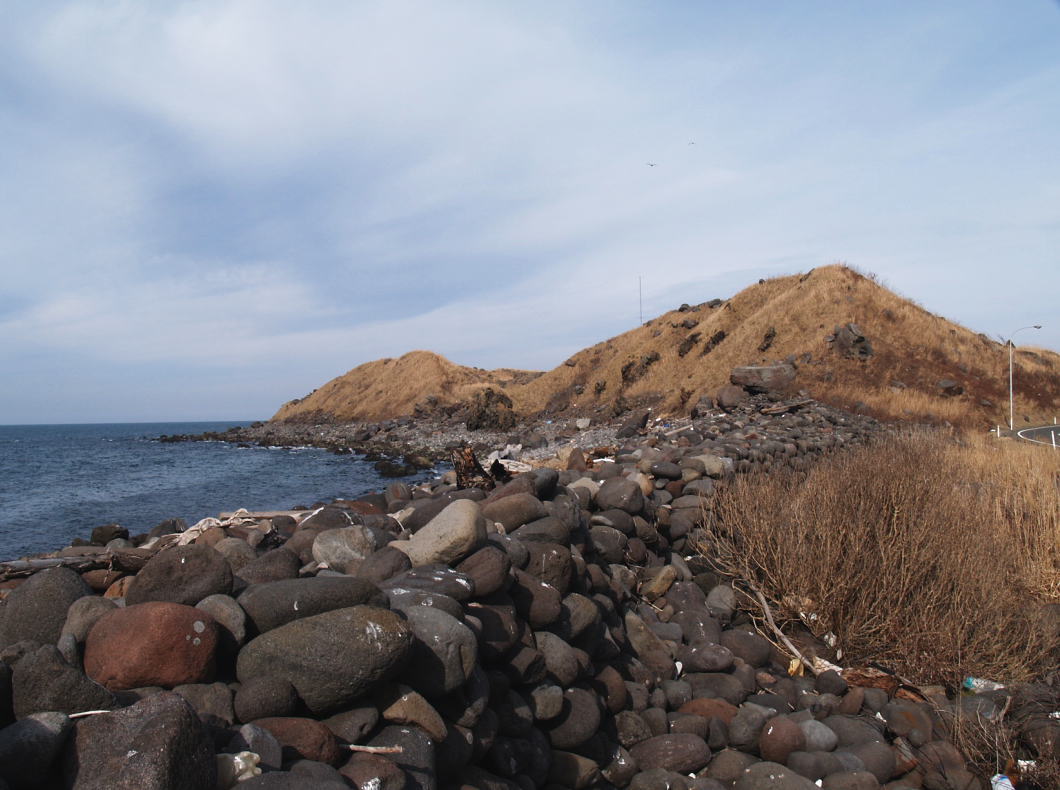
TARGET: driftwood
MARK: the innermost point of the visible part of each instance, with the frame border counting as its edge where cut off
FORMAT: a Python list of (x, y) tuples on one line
[(125, 560), (780, 408), (469, 472)]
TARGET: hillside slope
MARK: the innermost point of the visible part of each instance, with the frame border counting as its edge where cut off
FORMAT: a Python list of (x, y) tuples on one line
[(386, 388), (673, 360)]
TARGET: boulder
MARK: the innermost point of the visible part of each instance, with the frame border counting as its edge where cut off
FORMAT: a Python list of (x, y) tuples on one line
[(443, 651), (43, 681), (152, 644), (36, 609), (156, 744), (183, 575), (302, 738), (763, 378), (83, 613), (448, 537), (29, 748), (345, 548), (265, 696), (771, 776), (273, 604), (281, 563), (333, 658), (730, 396), (620, 493), (681, 752)]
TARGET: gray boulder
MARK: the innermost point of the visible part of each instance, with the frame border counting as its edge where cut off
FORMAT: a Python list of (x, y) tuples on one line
[(448, 537), (443, 654), (182, 574), (344, 549), (620, 493), (36, 609), (332, 658), (28, 749), (273, 604), (763, 378), (156, 744), (43, 681)]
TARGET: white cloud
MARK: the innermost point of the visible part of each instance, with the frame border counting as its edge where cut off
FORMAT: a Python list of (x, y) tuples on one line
[(271, 185)]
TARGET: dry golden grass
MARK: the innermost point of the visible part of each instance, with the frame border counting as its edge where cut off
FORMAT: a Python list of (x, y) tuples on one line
[(388, 388), (921, 551), (663, 363)]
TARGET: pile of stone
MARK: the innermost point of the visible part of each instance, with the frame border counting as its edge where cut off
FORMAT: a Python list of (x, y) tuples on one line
[(556, 632)]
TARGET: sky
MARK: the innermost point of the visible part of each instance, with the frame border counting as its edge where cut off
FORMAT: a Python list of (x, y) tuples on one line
[(210, 208)]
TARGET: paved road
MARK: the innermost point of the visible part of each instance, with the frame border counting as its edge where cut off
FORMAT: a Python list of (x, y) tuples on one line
[(1040, 435)]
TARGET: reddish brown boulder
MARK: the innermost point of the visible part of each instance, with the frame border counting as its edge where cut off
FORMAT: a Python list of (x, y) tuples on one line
[(151, 644), (710, 708), (119, 588), (307, 739), (99, 580), (780, 737)]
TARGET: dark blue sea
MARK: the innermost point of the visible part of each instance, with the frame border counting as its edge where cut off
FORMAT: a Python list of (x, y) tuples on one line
[(57, 482)]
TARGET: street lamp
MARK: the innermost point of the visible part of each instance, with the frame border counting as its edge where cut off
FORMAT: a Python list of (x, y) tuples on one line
[(1011, 345)]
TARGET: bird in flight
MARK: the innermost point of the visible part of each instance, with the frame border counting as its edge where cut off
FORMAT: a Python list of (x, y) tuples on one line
[(691, 142), (651, 164)]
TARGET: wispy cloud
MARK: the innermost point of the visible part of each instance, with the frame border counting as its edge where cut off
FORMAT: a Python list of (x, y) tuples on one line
[(277, 191)]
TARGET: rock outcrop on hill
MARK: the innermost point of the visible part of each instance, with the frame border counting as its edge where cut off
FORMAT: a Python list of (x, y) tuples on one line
[(853, 343)]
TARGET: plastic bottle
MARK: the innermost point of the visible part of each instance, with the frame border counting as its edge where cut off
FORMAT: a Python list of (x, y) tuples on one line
[(979, 685)]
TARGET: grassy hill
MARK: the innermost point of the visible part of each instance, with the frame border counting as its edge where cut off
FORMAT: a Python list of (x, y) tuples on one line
[(673, 360)]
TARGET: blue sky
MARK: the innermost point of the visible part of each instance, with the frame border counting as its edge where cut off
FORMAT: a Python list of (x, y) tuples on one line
[(209, 208)]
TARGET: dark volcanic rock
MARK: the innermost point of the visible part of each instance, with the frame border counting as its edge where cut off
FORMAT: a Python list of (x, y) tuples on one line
[(682, 752), (182, 574), (156, 744), (28, 749), (443, 652), (36, 609), (265, 696), (332, 658), (302, 738), (271, 566), (620, 493), (43, 681), (273, 604)]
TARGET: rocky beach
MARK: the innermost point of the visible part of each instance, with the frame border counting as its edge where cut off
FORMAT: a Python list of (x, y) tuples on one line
[(564, 629)]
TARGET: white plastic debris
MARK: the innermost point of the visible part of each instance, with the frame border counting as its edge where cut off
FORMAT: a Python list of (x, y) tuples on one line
[(235, 768), (1001, 782)]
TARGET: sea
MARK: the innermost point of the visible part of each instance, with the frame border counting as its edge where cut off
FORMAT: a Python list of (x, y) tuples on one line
[(57, 482)]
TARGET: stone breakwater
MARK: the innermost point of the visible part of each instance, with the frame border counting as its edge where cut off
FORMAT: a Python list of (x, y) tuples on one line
[(556, 632)]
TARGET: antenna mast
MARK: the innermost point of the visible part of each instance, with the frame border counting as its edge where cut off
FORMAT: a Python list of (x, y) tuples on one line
[(640, 296)]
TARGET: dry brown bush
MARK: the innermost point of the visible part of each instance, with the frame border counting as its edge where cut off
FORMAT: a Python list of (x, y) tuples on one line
[(926, 553)]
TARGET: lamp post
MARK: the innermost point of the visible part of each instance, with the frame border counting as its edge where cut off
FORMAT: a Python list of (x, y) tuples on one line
[(1011, 346)]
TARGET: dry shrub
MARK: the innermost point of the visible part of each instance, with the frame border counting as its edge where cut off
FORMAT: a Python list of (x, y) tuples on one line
[(922, 552)]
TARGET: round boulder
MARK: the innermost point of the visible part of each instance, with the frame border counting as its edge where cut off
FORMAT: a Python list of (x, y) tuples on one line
[(332, 658), (151, 644), (273, 604), (36, 609), (620, 493), (183, 574), (682, 752), (448, 537)]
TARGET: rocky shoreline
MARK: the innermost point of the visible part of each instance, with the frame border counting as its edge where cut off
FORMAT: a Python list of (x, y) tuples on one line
[(562, 630)]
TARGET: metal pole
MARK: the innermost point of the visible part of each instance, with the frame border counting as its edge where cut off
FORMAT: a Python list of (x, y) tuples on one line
[(1011, 424), (1011, 346), (640, 297)]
